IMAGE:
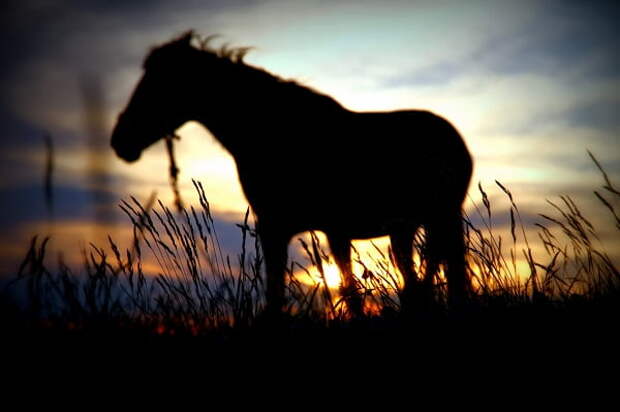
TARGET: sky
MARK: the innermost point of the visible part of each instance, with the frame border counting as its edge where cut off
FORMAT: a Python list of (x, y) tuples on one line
[(531, 85)]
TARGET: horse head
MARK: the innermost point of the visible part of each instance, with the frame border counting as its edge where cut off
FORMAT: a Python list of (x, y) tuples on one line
[(158, 105)]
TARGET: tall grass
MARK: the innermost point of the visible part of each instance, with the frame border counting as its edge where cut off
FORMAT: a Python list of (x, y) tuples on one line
[(197, 288)]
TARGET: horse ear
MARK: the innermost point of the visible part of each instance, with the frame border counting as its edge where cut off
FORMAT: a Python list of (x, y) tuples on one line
[(186, 38)]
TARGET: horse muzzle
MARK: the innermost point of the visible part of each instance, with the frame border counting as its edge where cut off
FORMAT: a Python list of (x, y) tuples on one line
[(128, 156), (121, 142), (125, 152)]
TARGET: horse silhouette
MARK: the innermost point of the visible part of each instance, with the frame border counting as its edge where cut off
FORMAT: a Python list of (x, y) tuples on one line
[(307, 163)]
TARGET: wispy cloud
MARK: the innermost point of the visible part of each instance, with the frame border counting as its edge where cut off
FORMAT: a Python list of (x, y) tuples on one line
[(553, 39)]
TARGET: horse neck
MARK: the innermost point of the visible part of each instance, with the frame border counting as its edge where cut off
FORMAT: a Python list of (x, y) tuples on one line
[(256, 111), (235, 116)]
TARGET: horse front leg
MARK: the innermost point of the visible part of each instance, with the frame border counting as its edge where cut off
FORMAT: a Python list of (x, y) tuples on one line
[(275, 251)]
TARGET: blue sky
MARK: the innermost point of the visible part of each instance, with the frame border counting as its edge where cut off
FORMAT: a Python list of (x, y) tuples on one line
[(529, 84)]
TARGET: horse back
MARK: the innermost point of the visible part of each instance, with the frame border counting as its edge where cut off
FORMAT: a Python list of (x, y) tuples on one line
[(380, 168)]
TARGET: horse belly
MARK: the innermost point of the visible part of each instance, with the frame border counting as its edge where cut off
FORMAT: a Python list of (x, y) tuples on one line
[(365, 220)]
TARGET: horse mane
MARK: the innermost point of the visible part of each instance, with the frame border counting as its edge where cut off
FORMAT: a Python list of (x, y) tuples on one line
[(234, 56)]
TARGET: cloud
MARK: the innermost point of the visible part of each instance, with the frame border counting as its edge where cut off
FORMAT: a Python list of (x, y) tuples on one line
[(440, 73), (27, 202), (601, 115), (555, 39)]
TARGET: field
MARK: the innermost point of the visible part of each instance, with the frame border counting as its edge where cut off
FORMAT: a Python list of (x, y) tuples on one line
[(198, 295)]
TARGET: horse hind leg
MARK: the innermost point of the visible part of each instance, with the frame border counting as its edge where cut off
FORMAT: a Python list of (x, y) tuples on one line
[(350, 290), (432, 257), (458, 281), (402, 249), (445, 243)]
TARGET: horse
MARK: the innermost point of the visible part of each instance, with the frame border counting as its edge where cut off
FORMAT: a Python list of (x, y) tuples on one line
[(364, 174)]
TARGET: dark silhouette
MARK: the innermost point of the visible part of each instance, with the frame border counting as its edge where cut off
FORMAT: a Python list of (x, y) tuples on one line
[(368, 174)]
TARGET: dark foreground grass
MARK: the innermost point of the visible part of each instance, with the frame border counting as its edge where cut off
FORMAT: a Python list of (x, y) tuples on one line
[(201, 296)]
